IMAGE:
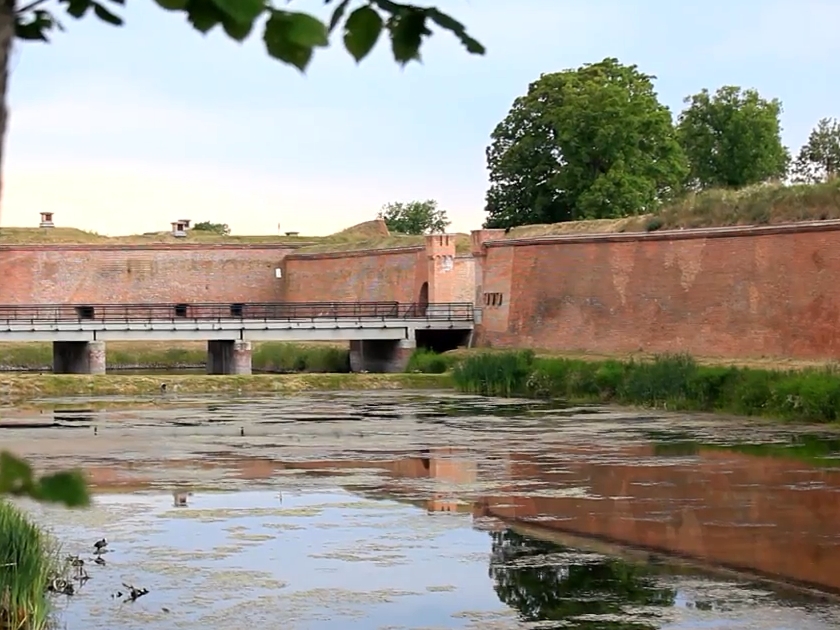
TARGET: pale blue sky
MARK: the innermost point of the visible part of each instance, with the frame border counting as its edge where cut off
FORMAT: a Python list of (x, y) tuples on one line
[(123, 130)]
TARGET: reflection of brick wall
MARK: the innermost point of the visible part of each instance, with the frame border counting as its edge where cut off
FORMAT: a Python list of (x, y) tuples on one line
[(735, 510), (90, 274), (728, 292)]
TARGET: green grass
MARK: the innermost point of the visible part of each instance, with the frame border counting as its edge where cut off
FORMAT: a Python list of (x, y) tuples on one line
[(674, 382), (267, 356), (290, 357), (27, 564), (428, 362)]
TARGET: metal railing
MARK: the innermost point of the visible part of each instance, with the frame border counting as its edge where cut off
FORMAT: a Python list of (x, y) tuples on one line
[(250, 311)]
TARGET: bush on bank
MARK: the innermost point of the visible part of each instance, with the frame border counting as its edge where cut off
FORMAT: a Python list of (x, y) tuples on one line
[(673, 381), (27, 564)]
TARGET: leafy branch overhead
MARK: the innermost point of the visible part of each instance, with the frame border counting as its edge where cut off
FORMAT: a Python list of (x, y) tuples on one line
[(290, 37), (18, 479)]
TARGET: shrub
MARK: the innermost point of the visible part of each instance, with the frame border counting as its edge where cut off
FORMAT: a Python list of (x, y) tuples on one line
[(429, 362)]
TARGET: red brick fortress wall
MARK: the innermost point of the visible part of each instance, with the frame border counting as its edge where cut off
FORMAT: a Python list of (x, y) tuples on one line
[(356, 276), (108, 274), (735, 292)]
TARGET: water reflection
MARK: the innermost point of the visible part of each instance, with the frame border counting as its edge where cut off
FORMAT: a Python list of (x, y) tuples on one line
[(547, 582), (758, 498)]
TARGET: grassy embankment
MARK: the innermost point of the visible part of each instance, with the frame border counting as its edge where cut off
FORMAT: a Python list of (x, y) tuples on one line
[(675, 382), (28, 562)]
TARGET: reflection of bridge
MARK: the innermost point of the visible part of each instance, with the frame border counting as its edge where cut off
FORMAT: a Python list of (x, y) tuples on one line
[(381, 334)]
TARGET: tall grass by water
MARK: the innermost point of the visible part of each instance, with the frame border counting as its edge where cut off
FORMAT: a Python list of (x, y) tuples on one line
[(674, 382), (429, 362), (28, 562)]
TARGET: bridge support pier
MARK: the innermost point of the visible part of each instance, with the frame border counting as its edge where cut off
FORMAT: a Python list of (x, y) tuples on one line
[(79, 357), (381, 356), (229, 357)]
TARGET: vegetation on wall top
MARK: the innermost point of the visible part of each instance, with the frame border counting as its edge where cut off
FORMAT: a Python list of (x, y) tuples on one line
[(595, 143)]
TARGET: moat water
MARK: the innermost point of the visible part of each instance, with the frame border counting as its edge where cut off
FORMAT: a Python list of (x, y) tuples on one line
[(417, 510)]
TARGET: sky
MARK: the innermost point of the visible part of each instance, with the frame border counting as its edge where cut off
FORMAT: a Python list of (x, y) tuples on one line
[(123, 130)]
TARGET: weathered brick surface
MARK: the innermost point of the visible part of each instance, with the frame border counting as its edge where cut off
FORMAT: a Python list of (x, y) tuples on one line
[(362, 276), (464, 279), (725, 292), (89, 274)]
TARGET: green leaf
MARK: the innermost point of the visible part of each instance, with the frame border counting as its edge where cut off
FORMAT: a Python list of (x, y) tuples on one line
[(78, 8), (15, 475), (280, 46), (242, 11), (338, 14), (106, 16), (66, 487), (237, 30), (306, 30), (407, 32), (204, 15), (173, 5), (362, 30)]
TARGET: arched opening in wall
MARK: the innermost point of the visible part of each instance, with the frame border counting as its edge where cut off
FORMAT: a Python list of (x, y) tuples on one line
[(423, 299), (441, 340)]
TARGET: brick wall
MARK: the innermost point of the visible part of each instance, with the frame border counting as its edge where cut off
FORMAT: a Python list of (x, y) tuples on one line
[(464, 279), (360, 276), (723, 292), (89, 274)]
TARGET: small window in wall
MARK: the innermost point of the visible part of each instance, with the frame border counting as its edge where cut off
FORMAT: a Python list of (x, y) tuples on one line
[(180, 310), (493, 299), (236, 309), (85, 312)]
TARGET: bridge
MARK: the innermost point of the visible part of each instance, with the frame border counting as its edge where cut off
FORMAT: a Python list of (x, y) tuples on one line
[(382, 335)]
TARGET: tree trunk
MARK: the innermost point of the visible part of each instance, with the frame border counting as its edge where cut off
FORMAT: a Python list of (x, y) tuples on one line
[(7, 36)]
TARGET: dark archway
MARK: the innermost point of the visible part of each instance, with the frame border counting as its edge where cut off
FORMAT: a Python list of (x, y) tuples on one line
[(423, 300)]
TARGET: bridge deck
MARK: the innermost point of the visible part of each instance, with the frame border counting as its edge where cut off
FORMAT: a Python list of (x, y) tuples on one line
[(283, 321)]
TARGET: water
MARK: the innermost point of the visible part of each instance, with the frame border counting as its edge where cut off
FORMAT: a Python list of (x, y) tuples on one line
[(401, 510)]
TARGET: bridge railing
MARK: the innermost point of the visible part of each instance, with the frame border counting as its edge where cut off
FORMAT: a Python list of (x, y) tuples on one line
[(259, 311)]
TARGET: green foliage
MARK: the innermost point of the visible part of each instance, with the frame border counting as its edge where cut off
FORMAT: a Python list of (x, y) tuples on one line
[(554, 597), (414, 217), (819, 158), (589, 143), (494, 373), (671, 381), (429, 362), (18, 479), (290, 357), (290, 37), (215, 228), (732, 138), (27, 565)]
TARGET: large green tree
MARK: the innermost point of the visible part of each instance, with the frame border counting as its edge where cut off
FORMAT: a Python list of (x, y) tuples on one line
[(593, 142), (819, 158), (290, 37), (732, 138), (414, 217)]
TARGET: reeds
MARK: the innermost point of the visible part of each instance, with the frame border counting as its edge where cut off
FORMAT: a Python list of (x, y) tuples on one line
[(27, 564), (675, 382)]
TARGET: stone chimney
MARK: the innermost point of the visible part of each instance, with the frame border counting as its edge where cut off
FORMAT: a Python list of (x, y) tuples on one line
[(46, 220)]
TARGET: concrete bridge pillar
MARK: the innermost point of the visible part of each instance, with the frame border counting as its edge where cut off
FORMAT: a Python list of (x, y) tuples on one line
[(79, 357), (381, 356), (229, 357)]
